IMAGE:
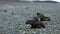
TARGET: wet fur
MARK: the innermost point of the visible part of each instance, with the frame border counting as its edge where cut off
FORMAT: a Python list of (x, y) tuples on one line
[(35, 24)]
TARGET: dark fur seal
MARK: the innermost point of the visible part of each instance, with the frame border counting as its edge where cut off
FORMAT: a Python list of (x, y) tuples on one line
[(35, 24)]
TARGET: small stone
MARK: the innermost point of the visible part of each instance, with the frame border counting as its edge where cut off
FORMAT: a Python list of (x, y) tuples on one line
[(13, 13), (58, 28), (33, 31), (20, 30), (5, 10), (28, 25), (24, 32), (26, 8), (0, 26), (19, 24)]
